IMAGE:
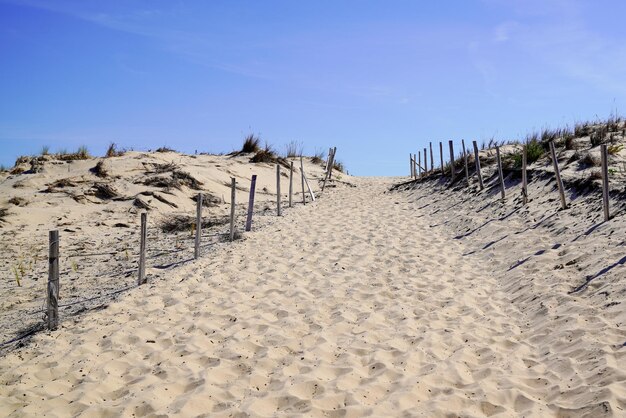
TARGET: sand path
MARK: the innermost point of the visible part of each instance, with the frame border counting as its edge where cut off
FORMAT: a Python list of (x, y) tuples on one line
[(352, 306)]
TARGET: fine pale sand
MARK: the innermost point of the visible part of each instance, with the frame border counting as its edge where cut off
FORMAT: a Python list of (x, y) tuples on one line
[(362, 303)]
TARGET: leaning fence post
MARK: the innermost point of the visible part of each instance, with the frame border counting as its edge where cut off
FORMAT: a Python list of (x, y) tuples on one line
[(557, 173), (500, 174), (465, 158), (432, 160), (277, 189), (441, 156), (233, 185), (302, 178), (524, 175), (480, 176), (142, 249), (415, 166), (604, 155), (53, 280), (251, 203), (196, 252), (291, 184), (451, 143)]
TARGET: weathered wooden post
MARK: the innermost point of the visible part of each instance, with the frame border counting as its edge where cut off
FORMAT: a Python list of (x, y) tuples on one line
[(425, 162), (411, 164), (557, 173), (332, 164), (415, 166), (53, 280), (480, 176), (604, 156), (233, 187), (291, 184), (465, 158), (432, 160), (302, 178), (451, 143), (441, 156), (524, 175), (251, 203), (142, 249), (419, 164), (277, 189), (196, 251), (500, 174)]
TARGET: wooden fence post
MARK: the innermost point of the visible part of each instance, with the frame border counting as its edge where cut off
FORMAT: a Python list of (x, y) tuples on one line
[(330, 169), (411, 164), (277, 189), (465, 158), (425, 162), (604, 155), (432, 160), (557, 173), (524, 175), (302, 178), (415, 166), (419, 164), (233, 186), (196, 251), (500, 174), (291, 184), (141, 279), (251, 203), (480, 176), (53, 280), (441, 156), (451, 143)]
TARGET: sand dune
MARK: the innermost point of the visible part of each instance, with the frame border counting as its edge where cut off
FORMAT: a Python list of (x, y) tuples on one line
[(362, 304)]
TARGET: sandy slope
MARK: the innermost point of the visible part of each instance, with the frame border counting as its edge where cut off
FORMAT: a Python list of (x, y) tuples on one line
[(359, 304)]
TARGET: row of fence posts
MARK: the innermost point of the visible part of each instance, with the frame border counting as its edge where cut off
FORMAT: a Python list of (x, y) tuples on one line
[(418, 171), (52, 308)]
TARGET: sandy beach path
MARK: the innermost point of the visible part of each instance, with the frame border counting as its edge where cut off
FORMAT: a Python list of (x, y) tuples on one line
[(352, 306)]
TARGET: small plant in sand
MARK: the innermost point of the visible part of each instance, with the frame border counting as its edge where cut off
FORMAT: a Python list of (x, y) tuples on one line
[(614, 149), (338, 165), (251, 144), (112, 151), (165, 149), (74, 266), (318, 157), (293, 149), (45, 150)]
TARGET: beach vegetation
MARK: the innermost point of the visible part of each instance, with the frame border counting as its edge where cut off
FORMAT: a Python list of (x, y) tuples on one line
[(251, 144)]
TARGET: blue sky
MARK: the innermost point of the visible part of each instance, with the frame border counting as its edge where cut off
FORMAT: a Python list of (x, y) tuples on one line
[(377, 79)]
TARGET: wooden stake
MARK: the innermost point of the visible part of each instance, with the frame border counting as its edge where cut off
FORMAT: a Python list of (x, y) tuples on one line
[(302, 178), (480, 176), (425, 162), (441, 156), (432, 160), (557, 173), (196, 252), (291, 184), (415, 166), (53, 280), (277, 189), (465, 158), (604, 155), (142, 249), (419, 163), (524, 175), (411, 165), (500, 174), (451, 144), (331, 161), (233, 186), (251, 203), (332, 164)]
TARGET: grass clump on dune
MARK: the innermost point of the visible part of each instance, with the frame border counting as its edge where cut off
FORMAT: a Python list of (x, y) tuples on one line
[(251, 144)]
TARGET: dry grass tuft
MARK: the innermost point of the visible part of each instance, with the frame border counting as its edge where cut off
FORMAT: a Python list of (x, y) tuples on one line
[(112, 151), (251, 144), (181, 223)]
